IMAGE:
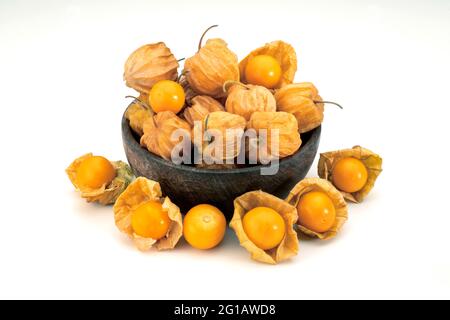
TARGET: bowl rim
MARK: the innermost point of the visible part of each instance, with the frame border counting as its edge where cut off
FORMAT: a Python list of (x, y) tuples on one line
[(128, 135)]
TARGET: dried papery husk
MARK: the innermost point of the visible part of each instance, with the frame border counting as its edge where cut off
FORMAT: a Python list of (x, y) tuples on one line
[(149, 64), (246, 99), (288, 246), (303, 101), (288, 138), (371, 160), (316, 184), (210, 67), (106, 194), (283, 52), (189, 93), (228, 142), (158, 130), (137, 113), (200, 108), (140, 191)]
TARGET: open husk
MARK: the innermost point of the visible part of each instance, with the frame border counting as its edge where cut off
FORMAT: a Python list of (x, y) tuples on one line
[(304, 102), (316, 184), (106, 194), (158, 131), (219, 136), (371, 160), (137, 113), (283, 52), (267, 142), (137, 193), (246, 99), (200, 108), (149, 64), (211, 67), (288, 246)]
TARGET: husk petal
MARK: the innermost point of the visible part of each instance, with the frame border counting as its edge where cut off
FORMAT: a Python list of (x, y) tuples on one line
[(283, 52), (137, 114), (371, 160), (200, 108), (188, 91), (138, 192), (302, 100), (228, 130), (211, 67), (158, 131), (149, 64), (244, 100), (316, 184), (288, 246), (106, 194), (285, 144)]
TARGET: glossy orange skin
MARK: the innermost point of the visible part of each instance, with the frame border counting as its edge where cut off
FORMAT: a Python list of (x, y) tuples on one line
[(94, 172), (166, 95), (263, 70), (316, 211), (149, 220), (264, 227), (204, 226), (349, 175)]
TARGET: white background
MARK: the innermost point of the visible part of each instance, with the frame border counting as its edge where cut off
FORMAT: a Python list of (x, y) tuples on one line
[(62, 95)]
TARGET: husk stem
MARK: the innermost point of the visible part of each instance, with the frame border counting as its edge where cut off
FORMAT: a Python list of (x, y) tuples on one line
[(200, 43), (208, 137), (140, 102), (329, 102), (145, 106)]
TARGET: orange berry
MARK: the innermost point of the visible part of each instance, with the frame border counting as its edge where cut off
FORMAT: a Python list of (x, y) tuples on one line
[(264, 227), (94, 172), (316, 211), (149, 220), (263, 70), (349, 175), (166, 95), (204, 226)]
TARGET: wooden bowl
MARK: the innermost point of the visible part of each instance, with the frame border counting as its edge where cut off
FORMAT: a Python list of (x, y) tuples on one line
[(188, 186)]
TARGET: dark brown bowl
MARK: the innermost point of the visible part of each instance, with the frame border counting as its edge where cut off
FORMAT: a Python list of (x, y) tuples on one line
[(188, 186)]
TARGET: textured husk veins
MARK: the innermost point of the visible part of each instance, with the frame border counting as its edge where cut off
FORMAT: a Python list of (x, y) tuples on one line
[(211, 67), (288, 138), (288, 246), (137, 114), (371, 160), (283, 52), (316, 184), (106, 194), (246, 99), (149, 64), (138, 192), (158, 130), (300, 100), (188, 91), (200, 108), (227, 130)]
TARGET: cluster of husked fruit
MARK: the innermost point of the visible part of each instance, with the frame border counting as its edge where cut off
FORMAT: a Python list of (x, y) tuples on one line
[(264, 224), (216, 92)]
